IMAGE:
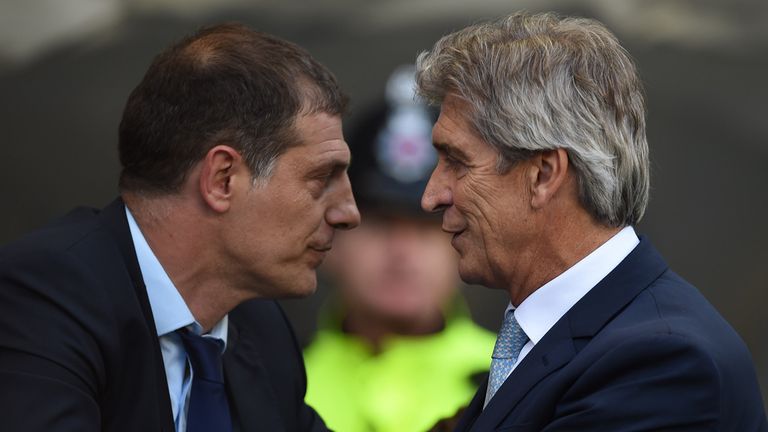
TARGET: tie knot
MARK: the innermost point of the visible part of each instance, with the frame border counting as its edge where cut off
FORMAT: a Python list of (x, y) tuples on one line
[(204, 355), (511, 338)]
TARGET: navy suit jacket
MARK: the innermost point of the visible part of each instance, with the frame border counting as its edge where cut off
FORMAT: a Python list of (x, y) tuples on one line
[(79, 349), (642, 351)]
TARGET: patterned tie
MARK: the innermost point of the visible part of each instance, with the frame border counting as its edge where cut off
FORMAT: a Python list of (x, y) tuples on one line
[(508, 345), (208, 409)]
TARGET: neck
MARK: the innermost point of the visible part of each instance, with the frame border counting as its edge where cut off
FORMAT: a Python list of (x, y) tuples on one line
[(375, 328), (558, 250), (189, 260)]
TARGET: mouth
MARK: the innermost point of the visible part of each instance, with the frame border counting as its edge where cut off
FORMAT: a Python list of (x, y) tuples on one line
[(317, 254), (455, 238), (316, 257)]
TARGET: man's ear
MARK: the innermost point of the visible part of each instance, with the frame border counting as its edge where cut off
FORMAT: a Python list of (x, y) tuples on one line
[(549, 173), (220, 167)]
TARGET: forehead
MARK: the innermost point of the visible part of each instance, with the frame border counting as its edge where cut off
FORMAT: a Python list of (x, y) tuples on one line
[(320, 140), (453, 130)]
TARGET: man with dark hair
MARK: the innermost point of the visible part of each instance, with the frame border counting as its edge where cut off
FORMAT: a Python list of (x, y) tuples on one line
[(155, 313), (542, 173)]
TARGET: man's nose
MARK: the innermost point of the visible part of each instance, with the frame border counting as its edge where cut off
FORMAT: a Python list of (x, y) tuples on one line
[(437, 196), (344, 215)]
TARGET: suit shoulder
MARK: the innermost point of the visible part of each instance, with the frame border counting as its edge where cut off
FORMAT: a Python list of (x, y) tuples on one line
[(685, 311), (70, 268), (672, 319), (670, 305), (718, 379), (57, 236), (671, 330), (54, 303)]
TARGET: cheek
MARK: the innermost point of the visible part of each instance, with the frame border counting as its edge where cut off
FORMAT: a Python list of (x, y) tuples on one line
[(474, 198), (299, 216), (493, 206)]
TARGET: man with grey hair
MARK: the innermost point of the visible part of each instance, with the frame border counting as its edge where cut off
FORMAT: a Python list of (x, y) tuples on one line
[(543, 171)]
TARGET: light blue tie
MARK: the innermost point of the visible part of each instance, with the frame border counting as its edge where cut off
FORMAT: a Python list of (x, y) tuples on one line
[(508, 345)]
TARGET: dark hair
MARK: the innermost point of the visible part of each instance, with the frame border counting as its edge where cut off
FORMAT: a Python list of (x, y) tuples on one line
[(223, 84)]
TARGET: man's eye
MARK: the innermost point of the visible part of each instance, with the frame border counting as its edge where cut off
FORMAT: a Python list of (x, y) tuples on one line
[(456, 166), (323, 178), (453, 163)]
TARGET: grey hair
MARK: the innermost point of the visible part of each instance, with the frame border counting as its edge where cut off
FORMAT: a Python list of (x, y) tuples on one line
[(537, 82), (263, 171)]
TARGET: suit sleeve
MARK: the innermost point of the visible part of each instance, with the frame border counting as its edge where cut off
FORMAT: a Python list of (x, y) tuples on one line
[(49, 373), (649, 383)]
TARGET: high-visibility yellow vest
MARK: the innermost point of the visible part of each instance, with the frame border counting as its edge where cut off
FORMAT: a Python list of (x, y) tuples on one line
[(408, 386)]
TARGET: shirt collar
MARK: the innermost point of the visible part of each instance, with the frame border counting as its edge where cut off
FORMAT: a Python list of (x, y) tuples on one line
[(538, 313), (169, 309)]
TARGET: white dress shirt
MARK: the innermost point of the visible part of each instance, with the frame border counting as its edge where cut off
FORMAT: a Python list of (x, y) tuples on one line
[(170, 313), (538, 313)]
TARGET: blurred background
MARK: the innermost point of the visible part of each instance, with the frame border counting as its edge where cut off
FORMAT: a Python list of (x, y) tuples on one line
[(67, 66)]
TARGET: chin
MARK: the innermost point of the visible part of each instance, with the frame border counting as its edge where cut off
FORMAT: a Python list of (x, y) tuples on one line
[(471, 279), (480, 279), (304, 288), (471, 275), (300, 285)]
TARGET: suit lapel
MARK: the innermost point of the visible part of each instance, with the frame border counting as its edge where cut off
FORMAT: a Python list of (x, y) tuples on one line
[(251, 398), (114, 219), (558, 347), (473, 410), (609, 297), (550, 354)]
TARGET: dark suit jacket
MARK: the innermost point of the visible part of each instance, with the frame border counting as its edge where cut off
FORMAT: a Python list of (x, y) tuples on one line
[(79, 350), (642, 351)]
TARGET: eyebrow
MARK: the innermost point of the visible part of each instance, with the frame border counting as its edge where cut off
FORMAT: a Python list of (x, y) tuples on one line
[(332, 164), (452, 151)]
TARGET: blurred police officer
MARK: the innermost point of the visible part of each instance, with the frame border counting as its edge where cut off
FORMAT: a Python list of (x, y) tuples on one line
[(399, 351)]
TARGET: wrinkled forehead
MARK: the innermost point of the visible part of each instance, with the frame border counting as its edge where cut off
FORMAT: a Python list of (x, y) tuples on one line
[(453, 132), (449, 120), (319, 142), (331, 153), (319, 132)]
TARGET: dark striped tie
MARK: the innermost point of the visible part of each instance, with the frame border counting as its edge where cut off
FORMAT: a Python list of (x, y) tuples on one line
[(208, 409)]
